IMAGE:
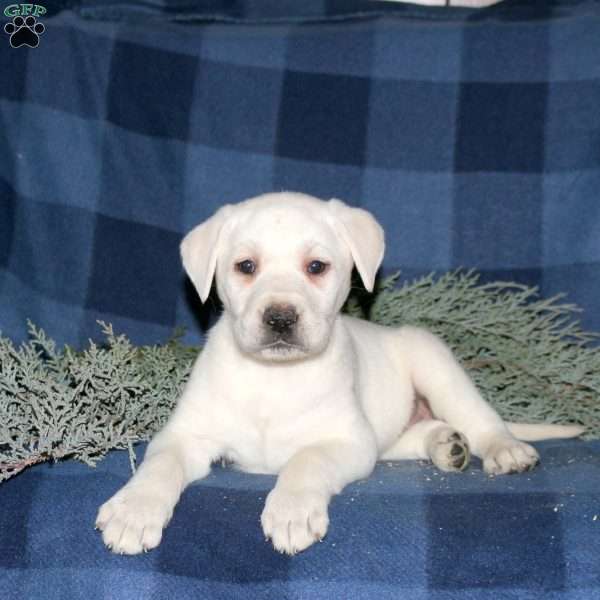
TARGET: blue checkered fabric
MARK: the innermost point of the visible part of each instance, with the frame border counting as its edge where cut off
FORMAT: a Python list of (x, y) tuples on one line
[(473, 136), (409, 531)]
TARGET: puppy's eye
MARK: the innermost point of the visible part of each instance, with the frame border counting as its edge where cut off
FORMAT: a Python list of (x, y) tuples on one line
[(316, 267), (247, 267)]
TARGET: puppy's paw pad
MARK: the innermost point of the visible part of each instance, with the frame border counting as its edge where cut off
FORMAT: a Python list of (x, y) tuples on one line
[(508, 455), (449, 449), (132, 521), (294, 520)]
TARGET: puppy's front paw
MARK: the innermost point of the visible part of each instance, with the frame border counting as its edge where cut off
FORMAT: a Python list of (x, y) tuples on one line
[(132, 521), (509, 455), (293, 520)]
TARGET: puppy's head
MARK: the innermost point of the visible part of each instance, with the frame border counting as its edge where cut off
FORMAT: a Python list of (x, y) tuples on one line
[(283, 264)]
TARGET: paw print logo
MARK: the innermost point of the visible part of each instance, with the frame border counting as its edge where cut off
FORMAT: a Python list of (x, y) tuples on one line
[(24, 32)]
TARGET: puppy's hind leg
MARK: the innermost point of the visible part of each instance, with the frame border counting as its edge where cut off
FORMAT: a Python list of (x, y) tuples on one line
[(433, 440), (453, 398)]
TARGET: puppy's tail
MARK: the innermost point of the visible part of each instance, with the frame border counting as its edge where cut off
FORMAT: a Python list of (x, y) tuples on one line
[(529, 432)]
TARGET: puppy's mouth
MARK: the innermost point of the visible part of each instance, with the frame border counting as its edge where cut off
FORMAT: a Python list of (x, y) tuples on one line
[(282, 346), (282, 350)]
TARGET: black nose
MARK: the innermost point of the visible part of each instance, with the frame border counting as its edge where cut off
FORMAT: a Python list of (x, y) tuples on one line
[(281, 318)]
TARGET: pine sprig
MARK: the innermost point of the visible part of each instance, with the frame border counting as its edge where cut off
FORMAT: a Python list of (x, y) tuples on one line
[(528, 356), (81, 405)]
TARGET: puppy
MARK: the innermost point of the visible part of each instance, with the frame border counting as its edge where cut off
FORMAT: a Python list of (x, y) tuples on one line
[(287, 385)]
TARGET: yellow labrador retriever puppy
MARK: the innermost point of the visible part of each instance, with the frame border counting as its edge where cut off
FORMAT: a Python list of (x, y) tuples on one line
[(287, 385)]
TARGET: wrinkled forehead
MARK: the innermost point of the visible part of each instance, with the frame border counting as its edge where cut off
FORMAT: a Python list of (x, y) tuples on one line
[(281, 230)]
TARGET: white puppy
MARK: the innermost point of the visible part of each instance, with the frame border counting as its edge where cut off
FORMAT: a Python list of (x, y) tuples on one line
[(287, 385)]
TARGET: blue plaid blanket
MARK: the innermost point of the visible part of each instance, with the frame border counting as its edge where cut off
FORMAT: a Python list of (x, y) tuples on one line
[(409, 531), (473, 136)]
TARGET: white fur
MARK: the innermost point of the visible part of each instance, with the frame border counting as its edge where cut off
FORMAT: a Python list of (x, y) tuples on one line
[(319, 410)]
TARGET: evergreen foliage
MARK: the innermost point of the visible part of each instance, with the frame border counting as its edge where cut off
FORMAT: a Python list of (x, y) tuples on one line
[(528, 356)]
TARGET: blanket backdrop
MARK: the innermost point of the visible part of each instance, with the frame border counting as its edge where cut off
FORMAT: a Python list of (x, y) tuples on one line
[(474, 137)]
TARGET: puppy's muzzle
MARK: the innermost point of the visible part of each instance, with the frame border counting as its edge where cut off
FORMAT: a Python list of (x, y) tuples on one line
[(281, 319)]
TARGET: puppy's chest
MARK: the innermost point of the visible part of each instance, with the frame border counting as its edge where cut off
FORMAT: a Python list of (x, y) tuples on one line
[(267, 431), (268, 413), (263, 446)]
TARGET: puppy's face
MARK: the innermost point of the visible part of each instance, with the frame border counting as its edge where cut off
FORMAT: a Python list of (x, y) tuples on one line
[(283, 276), (283, 264)]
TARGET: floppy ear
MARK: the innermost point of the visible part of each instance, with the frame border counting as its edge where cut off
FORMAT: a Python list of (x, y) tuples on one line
[(359, 230), (199, 249)]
